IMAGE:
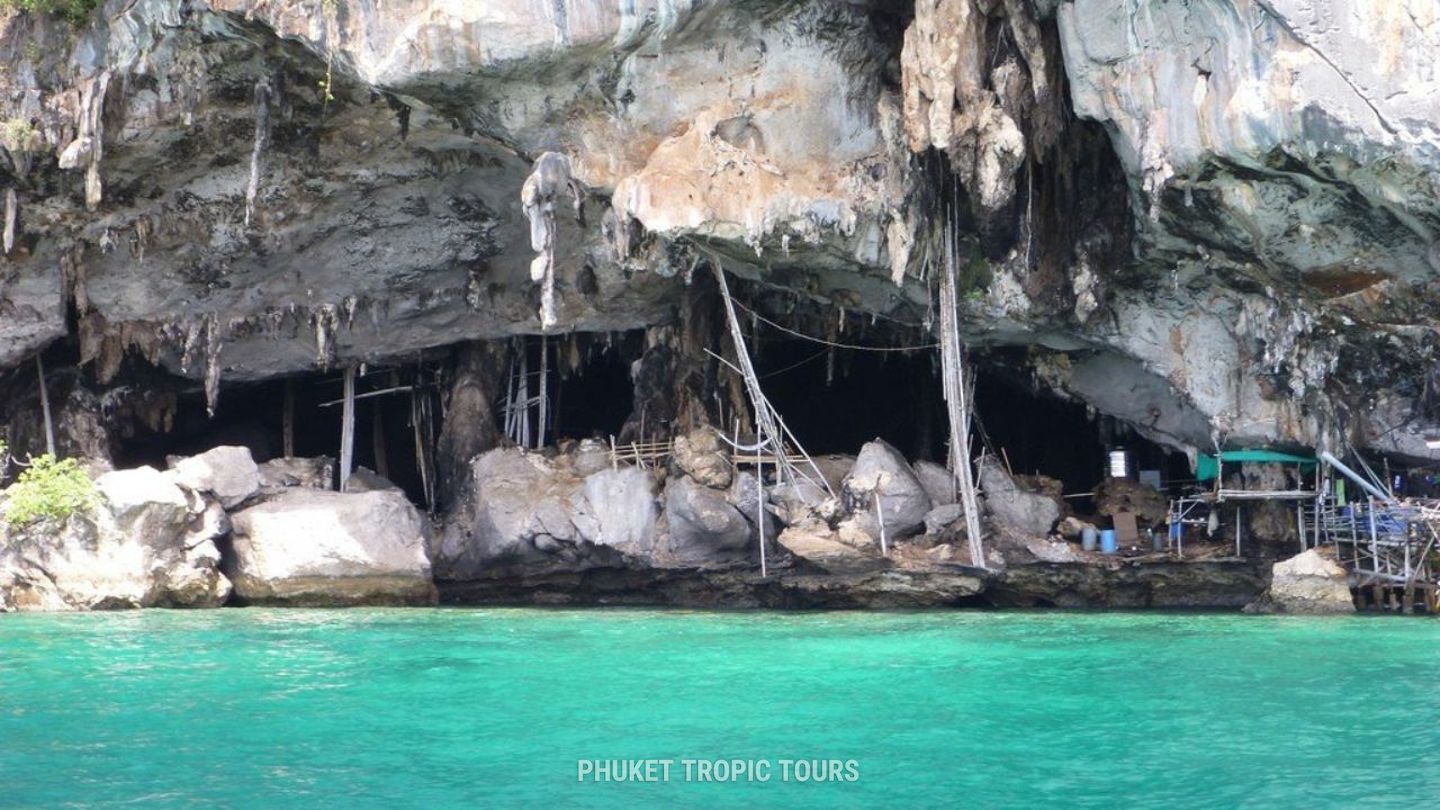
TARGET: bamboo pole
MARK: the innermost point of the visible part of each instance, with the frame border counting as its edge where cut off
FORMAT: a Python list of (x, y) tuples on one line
[(544, 394), (957, 390), (288, 419), (767, 421), (347, 429), (880, 516), (377, 438), (760, 509), (45, 409)]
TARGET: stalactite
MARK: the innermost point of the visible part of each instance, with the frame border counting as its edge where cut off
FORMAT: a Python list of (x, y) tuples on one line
[(12, 210), (213, 346), (551, 173), (257, 152)]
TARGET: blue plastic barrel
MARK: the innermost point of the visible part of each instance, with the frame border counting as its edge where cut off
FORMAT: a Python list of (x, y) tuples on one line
[(1107, 541), (1087, 538), (1175, 530)]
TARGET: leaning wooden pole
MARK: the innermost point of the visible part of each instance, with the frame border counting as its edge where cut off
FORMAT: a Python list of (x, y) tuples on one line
[(347, 429), (958, 387), (45, 409)]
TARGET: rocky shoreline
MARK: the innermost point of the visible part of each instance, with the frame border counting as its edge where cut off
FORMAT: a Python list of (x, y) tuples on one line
[(576, 529)]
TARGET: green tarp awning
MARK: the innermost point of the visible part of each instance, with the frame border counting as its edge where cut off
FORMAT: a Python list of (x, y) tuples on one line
[(1207, 467)]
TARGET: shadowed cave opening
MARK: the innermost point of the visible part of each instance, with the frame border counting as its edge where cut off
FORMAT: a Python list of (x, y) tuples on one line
[(836, 401), (252, 415)]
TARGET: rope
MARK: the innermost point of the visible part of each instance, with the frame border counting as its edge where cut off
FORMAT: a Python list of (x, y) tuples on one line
[(832, 343)]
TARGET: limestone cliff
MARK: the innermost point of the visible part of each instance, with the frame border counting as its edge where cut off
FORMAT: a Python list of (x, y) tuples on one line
[(1215, 220)]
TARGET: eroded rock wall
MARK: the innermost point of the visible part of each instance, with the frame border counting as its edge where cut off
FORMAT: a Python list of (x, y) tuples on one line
[(1216, 220)]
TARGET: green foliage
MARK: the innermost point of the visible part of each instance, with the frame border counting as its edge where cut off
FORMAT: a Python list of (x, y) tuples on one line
[(72, 11), (16, 135), (976, 276), (50, 490)]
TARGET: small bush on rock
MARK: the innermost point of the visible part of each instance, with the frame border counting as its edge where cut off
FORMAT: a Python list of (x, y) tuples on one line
[(49, 490)]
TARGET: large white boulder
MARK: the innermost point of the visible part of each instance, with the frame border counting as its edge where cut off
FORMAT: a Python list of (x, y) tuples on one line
[(229, 473), (1309, 583), (145, 543), (321, 548), (881, 473)]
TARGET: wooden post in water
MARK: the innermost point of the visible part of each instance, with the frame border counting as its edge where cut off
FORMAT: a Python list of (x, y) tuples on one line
[(287, 418), (347, 429)]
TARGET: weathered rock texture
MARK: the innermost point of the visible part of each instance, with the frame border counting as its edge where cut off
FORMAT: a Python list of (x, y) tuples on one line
[(316, 548), (147, 543), (1306, 583), (257, 187)]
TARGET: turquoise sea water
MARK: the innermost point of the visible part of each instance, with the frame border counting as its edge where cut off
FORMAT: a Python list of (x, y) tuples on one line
[(493, 708)]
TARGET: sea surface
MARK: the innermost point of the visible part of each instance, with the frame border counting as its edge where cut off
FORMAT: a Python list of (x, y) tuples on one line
[(498, 708)]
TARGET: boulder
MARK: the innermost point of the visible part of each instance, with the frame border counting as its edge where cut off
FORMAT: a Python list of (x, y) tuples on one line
[(818, 544), (939, 484), (881, 471), (622, 505), (704, 526), (146, 543), (745, 495), (529, 514), (314, 473), (363, 479), (319, 548), (939, 518), (1309, 583), (227, 472), (1013, 508), (701, 455)]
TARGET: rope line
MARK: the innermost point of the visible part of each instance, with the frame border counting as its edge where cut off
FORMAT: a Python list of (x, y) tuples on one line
[(787, 330)]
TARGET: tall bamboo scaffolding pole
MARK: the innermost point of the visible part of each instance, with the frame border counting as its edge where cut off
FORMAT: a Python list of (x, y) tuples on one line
[(958, 387), (347, 429), (767, 422)]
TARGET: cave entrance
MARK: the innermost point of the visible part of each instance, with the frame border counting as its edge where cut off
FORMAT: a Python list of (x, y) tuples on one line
[(388, 402), (593, 393), (1038, 432), (836, 399)]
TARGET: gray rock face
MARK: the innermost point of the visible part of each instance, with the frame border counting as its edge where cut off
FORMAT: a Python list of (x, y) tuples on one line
[(704, 526), (527, 513), (1012, 509), (824, 547), (880, 471), (317, 548), (228, 473), (937, 481), (148, 543), (314, 473), (1306, 583), (700, 455)]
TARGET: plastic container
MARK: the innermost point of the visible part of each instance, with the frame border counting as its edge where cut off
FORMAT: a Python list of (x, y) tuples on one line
[(1107, 541), (1088, 536), (1157, 540), (1175, 530)]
